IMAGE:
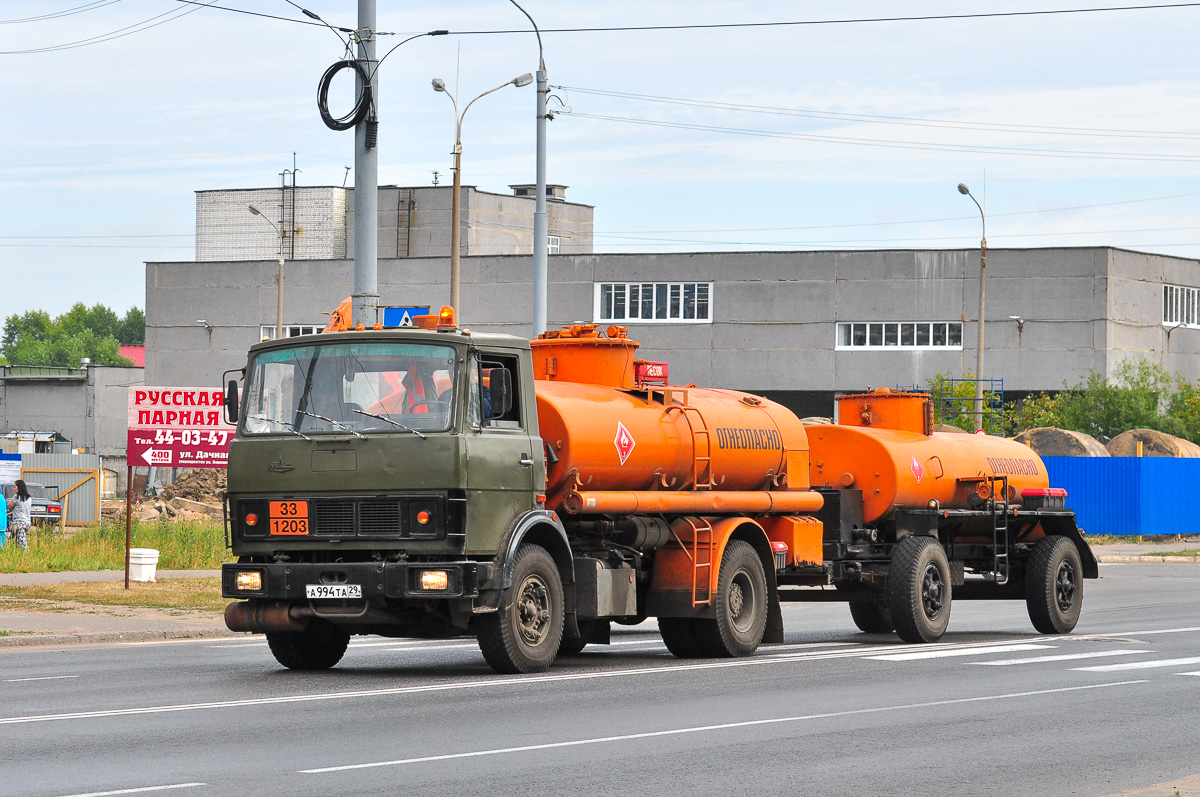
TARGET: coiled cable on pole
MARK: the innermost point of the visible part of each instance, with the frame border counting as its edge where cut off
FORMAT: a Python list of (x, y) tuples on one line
[(361, 108)]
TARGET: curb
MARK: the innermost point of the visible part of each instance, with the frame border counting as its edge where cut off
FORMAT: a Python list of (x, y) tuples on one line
[(82, 638), (1156, 559)]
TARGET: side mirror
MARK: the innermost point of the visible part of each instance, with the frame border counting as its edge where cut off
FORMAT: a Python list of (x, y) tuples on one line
[(231, 402), (500, 387)]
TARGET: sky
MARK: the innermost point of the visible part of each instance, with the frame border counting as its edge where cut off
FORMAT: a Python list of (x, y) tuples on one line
[(1072, 129)]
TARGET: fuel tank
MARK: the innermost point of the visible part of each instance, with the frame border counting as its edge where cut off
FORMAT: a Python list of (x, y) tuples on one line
[(883, 444), (604, 431)]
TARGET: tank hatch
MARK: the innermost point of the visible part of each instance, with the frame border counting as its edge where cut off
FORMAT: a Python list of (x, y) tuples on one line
[(884, 408), (580, 353)]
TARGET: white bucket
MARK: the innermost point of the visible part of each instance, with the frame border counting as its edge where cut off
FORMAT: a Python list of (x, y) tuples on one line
[(142, 562)]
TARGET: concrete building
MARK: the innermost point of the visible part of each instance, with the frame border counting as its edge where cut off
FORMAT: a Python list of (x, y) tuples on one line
[(318, 222), (796, 326), (86, 407)]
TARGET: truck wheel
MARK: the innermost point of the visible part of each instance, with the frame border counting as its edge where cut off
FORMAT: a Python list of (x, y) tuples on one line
[(524, 635), (1053, 587), (919, 589), (872, 616), (679, 634), (319, 647), (741, 605)]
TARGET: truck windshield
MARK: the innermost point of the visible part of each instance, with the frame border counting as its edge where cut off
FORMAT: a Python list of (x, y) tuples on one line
[(364, 388)]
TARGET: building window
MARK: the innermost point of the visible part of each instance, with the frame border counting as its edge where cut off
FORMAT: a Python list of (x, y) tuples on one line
[(654, 302), (267, 331), (554, 245), (1180, 306), (899, 335)]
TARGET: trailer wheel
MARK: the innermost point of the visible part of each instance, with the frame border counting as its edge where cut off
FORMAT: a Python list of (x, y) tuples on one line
[(919, 589), (1053, 587), (741, 604), (679, 635), (524, 635), (319, 647), (872, 616)]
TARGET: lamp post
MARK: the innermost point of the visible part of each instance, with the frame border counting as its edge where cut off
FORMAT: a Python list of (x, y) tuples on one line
[(962, 189), (440, 85), (279, 303), (541, 232)]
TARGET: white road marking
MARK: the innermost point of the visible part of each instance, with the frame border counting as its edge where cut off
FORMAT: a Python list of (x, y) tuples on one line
[(710, 728), (1187, 673), (921, 655), (1141, 633), (1139, 665), (39, 678), (1095, 654), (756, 661), (138, 790)]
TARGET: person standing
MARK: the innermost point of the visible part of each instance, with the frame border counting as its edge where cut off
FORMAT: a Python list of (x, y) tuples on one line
[(18, 508), (3, 522)]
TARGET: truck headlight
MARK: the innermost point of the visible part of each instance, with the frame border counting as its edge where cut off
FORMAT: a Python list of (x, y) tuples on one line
[(248, 580), (435, 580)]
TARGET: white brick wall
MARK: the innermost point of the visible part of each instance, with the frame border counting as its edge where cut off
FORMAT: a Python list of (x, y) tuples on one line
[(227, 230)]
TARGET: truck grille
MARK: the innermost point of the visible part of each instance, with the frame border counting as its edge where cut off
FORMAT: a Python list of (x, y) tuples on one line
[(334, 517), (379, 517)]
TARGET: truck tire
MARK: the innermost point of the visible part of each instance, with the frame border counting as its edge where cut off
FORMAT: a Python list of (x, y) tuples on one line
[(1054, 586), (524, 635), (319, 647), (679, 635), (919, 589), (872, 616), (741, 604)]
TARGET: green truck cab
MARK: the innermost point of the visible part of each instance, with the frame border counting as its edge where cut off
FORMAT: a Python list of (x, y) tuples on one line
[(361, 460)]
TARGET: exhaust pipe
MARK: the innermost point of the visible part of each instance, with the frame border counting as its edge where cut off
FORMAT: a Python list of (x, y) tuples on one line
[(262, 617)]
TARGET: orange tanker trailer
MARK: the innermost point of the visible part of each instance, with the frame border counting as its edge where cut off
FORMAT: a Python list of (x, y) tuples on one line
[(895, 517)]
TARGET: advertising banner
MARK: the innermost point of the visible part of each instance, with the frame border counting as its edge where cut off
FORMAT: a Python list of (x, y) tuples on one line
[(178, 427)]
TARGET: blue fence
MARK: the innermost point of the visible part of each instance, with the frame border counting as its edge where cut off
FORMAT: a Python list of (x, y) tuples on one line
[(1129, 495)]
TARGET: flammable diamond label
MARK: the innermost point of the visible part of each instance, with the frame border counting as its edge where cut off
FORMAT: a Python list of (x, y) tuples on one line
[(917, 470), (624, 442)]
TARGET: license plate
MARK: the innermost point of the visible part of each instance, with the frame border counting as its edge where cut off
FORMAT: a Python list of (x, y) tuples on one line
[(288, 518), (333, 590)]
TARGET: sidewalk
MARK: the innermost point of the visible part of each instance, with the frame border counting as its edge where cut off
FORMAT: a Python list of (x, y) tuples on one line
[(124, 624), (92, 623)]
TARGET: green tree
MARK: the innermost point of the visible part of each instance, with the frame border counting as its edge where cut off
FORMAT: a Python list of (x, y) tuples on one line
[(33, 338)]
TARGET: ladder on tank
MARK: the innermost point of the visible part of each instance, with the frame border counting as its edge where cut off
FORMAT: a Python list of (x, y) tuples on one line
[(999, 521), (701, 552)]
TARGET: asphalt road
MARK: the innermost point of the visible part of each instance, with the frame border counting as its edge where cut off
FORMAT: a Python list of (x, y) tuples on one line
[(994, 708)]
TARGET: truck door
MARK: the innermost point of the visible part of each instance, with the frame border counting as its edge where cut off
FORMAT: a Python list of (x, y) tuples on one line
[(500, 449)]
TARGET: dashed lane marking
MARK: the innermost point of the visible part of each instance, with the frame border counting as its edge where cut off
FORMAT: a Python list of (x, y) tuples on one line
[(1140, 665), (920, 655), (138, 790), (709, 728), (1095, 654)]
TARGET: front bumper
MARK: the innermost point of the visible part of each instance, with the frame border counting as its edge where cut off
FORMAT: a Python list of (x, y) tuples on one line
[(378, 579)]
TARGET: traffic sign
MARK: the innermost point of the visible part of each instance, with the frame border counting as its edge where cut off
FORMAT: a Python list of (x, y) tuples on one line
[(177, 427)]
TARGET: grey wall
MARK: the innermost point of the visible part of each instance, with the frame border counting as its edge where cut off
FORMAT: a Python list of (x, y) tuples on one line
[(775, 313)]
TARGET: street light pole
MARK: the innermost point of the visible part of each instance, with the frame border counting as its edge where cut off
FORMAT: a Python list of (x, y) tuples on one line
[(440, 85), (962, 189), (541, 231), (279, 301)]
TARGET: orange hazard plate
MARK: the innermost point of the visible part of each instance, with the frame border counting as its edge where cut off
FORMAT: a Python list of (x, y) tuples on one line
[(289, 517)]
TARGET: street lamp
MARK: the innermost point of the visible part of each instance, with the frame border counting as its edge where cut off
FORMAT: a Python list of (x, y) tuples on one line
[(440, 85), (541, 233), (962, 189), (279, 303)]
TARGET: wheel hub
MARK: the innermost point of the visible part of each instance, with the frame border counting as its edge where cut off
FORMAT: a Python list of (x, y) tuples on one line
[(533, 611), (1064, 586), (933, 591)]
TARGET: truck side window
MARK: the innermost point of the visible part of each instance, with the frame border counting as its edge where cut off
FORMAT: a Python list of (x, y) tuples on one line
[(499, 404)]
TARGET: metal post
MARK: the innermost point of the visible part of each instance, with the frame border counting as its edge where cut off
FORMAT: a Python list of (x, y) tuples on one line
[(278, 304), (541, 231), (366, 181), (455, 231), (979, 352), (128, 519)]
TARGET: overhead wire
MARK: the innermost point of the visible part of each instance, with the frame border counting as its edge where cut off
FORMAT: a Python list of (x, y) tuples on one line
[(119, 33), (896, 120), (869, 142), (59, 14)]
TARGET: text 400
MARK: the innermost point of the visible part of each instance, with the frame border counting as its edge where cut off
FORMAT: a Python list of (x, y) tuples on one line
[(191, 437)]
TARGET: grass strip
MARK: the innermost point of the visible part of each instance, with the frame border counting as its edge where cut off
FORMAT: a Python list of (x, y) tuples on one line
[(181, 546), (191, 594)]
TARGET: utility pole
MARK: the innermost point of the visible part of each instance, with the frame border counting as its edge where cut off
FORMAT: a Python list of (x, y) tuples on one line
[(366, 179)]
